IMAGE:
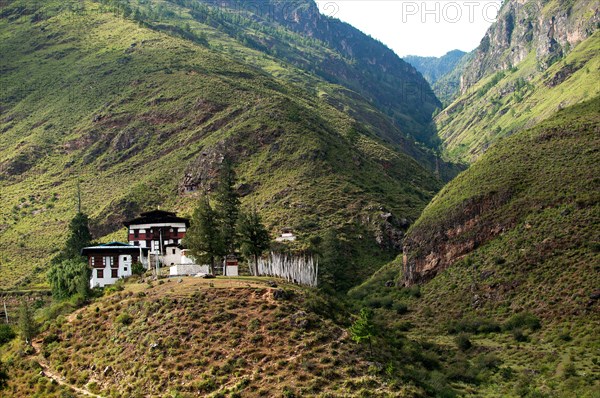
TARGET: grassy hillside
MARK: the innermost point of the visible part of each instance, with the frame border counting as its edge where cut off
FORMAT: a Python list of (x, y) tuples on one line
[(507, 101), (295, 33), (133, 112), (508, 252), (216, 338)]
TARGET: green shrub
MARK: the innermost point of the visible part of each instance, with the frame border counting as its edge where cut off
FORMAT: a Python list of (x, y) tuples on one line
[(523, 320), (137, 268), (400, 308), (6, 334), (463, 342), (473, 325), (519, 335), (125, 319)]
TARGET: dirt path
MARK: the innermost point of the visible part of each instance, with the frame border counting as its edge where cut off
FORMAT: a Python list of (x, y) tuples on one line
[(49, 373)]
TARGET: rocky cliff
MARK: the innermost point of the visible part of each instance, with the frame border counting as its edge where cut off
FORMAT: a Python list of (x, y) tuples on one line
[(551, 28)]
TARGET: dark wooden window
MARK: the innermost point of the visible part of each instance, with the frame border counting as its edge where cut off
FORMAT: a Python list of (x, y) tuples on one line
[(114, 272), (99, 273), (136, 233)]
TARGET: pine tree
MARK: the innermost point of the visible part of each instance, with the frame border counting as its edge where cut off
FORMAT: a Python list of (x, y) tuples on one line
[(228, 205), (79, 237), (363, 328), (27, 325), (254, 236), (203, 238)]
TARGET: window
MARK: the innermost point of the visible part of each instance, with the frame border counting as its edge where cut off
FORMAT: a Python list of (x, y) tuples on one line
[(99, 273), (125, 269), (173, 251), (136, 233), (114, 272)]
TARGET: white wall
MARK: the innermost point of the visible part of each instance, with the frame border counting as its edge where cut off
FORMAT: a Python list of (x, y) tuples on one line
[(124, 270)]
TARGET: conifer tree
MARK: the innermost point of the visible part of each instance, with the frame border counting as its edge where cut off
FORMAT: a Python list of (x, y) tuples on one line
[(254, 236), (203, 238), (228, 205), (27, 325), (363, 329), (79, 237)]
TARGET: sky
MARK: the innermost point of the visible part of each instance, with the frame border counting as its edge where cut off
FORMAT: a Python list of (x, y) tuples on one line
[(419, 27)]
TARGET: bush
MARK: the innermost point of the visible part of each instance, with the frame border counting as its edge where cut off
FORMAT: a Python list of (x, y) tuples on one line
[(125, 319), (474, 325), (463, 342), (137, 268), (523, 320), (400, 308), (519, 335), (6, 334)]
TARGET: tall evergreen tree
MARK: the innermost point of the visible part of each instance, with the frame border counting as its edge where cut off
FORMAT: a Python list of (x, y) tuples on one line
[(203, 238), (27, 325), (228, 205), (254, 236), (79, 237)]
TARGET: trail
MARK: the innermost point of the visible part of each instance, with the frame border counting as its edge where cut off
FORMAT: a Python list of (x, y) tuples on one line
[(49, 373)]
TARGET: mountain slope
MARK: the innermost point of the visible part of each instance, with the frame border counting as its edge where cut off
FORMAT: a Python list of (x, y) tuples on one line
[(522, 219), (443, 73), (135, 113), (501, 269), (533, 61), (296, 33), (433, 68), (224, 338)]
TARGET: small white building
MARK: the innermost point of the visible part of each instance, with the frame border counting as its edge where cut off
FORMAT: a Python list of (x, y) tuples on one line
[(112, 261), (287, 235)]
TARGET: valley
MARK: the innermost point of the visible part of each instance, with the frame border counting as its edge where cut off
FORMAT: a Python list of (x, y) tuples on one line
[(451, 205)]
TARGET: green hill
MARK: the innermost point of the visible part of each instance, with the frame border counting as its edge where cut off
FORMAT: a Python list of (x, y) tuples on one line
[(508, 253), (135, 112), (536, 59)]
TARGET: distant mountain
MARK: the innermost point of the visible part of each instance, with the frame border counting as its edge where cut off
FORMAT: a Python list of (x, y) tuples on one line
[(433, 68), (537, 58), (140, 100), (443, 73), (297, 33)]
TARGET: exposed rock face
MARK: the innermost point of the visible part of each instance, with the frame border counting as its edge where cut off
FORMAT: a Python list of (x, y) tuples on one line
[(549, 28), (432, 249)]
